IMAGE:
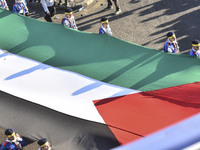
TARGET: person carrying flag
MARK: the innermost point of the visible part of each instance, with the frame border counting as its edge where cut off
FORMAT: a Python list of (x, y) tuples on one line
[(69, 20), (171, 45), (44, 144), (195, 51), (13, 141), (20, 7), (105, 27), (3, 4)]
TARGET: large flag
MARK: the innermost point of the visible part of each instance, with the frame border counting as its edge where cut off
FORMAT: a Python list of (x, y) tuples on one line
[(83, 90)]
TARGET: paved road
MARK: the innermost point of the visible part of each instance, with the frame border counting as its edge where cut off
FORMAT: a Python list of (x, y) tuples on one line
[(147, 22)]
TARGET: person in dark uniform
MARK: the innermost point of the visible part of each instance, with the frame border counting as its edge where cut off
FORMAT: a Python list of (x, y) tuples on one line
[(49, 9)]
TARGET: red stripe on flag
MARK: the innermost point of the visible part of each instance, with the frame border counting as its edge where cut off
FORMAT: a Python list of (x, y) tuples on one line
[(133, 116)]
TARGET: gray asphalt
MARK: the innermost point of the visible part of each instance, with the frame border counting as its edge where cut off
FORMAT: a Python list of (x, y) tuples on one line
[(147, 22)]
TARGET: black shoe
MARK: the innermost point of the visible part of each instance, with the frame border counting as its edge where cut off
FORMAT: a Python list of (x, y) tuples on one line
[(109, 7)]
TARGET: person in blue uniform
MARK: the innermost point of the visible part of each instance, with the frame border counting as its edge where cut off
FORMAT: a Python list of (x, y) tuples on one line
[(171, 45), (69, 20), (13, 141), (20, 7), (3, 4), (44, 144), (195, 51), (105, 27)]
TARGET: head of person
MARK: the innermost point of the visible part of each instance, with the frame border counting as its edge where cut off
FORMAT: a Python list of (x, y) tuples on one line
[(44, 144), (171, 36), (104, 22), (196, 45), (18, 1), (10, 133), (68, 12)]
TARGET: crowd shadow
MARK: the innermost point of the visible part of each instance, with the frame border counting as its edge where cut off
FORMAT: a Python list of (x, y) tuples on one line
[(160, 73), (184, 25), (89, 23), (62, 53)]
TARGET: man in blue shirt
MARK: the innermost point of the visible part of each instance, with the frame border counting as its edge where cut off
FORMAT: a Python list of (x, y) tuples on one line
[(13, 141), (171, 45)]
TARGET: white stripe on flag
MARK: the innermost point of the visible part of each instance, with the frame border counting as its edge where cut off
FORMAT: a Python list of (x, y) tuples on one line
[(60, 90)]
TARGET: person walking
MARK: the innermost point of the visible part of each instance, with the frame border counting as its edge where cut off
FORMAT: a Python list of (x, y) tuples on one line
[(49, 9), (118, 10)]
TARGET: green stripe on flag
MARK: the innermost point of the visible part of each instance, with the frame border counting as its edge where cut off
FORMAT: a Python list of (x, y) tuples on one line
[(97, 56)]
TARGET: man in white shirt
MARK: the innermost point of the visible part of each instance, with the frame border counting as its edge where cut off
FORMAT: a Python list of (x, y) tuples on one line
[(49, 9)]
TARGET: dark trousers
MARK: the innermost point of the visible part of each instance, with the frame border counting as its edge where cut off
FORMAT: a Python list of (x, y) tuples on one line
[(34, 1), (116, 3), (52, 11), (60, 1)]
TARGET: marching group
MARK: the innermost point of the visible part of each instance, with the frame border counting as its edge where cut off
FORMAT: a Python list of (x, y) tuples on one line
[(20, 7), (15, 142), (171, 45)]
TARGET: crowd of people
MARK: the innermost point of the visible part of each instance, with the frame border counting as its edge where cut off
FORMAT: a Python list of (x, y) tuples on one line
[(20, 7), (15, 142), (171, 45)]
